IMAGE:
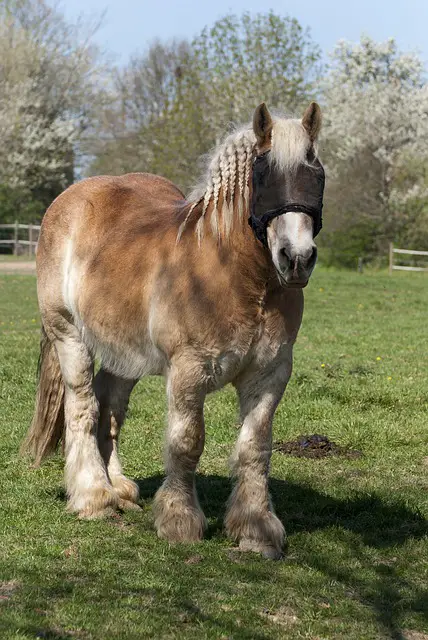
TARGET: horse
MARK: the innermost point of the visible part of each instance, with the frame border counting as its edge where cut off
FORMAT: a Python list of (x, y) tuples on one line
[(205, 291)]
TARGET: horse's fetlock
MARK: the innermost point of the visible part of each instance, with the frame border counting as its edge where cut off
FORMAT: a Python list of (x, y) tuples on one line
[(125, 488), (178, 516), (256, 529)]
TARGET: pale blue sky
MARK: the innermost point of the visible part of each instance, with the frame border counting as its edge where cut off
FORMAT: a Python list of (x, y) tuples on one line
[(130, 25)]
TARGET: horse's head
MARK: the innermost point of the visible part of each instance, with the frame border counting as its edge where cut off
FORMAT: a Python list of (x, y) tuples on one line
[(287, 191)]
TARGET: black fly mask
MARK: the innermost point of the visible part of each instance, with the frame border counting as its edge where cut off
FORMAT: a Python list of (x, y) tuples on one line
[(276, 192)]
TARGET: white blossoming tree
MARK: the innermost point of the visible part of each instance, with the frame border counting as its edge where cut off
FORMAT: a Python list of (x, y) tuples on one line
[(48, 88), (376, 116)]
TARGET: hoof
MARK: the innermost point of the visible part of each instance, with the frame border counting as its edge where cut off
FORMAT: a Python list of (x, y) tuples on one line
[(96, 514), (262, 533), (97, 504), (127, 490), (176, 519), (128, 505), (267, 551)]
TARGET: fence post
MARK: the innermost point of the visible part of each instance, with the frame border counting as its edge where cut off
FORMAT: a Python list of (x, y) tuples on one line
[(15, 238), (391, 257), (30, 240)]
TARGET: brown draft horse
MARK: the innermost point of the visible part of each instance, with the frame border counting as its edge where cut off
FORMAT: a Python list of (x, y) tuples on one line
[(152, 283)]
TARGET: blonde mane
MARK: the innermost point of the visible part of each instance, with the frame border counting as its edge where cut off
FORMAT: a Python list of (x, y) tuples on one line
[(228, 173)]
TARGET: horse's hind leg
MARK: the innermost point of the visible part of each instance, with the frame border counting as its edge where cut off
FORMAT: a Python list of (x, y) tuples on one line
[(113, 396), (178, 516), (250, 518), (89, 490)]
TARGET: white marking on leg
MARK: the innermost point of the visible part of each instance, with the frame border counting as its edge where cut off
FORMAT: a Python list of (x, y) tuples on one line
[(250, 517), (87, 484)]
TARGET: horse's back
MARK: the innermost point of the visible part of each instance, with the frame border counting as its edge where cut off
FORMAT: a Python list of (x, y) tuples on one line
[(98, 232), (100, 204)]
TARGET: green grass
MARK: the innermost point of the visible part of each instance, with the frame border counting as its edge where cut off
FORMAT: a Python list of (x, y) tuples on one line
[(357, 563), (8, 257)]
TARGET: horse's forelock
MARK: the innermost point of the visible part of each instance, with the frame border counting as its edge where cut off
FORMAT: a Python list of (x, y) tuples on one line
[(290, 144)]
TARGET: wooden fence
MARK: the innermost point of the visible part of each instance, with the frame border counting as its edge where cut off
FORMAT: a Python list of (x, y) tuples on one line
[(17, 241), (408, 252)]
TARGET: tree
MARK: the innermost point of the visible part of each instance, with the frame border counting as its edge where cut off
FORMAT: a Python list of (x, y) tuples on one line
[(173, 104), (242, 61), (376, 103), (48, 90), (136, 128)]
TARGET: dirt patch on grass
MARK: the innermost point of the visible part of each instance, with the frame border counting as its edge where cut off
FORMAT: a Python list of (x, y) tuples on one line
[(284, 616), (18, 267), (7, 589), (314, 446), (196, 559)]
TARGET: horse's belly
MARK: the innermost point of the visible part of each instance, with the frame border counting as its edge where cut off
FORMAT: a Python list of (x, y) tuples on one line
[(125, 360)]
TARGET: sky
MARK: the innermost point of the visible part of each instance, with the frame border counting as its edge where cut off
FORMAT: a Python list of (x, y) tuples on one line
[(129, 26)]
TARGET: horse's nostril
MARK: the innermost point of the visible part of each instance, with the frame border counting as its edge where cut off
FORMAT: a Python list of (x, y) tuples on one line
[(313, 256), (283, 253)]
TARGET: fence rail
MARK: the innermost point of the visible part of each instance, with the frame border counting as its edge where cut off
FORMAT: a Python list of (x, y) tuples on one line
[(17, 241), (409, 252)]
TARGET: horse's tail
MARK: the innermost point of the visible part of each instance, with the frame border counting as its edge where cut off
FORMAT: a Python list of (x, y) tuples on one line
[(47, 425)]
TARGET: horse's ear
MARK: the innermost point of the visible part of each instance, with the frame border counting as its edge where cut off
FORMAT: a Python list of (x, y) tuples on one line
[(262, 124), (312, 120)]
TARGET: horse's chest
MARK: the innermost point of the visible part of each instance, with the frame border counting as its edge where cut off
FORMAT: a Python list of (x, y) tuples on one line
[(257, 354), (220, 369)]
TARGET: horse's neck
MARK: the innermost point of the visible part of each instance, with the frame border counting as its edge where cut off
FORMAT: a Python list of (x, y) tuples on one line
[(228, 230)]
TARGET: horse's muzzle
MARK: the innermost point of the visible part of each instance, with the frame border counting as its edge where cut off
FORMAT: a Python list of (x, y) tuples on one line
[(295, 270)]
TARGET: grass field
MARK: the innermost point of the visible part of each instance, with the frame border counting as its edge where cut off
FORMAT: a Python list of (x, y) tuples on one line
[(8, 257), (357, 563)]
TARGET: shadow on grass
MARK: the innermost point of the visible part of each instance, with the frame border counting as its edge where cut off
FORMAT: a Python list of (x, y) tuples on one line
[(391, 596), (177, 608), (378, 522), (359, 525), (47, 634)]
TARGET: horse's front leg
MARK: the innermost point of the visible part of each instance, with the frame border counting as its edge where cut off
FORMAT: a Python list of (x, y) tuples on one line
[(250, 518), (178, 516)]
